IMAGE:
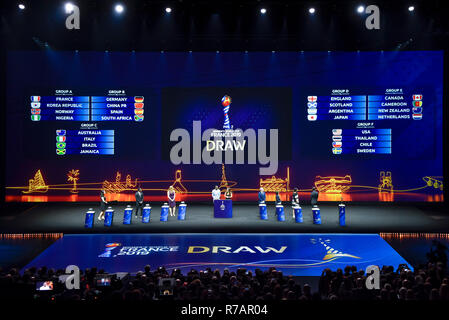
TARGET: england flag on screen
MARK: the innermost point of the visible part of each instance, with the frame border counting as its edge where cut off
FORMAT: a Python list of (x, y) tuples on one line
[(311, 98)]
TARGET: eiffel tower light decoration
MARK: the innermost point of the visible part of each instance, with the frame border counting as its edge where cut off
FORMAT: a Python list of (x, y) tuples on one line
[(224, 182), (177, 184), (226, 102)]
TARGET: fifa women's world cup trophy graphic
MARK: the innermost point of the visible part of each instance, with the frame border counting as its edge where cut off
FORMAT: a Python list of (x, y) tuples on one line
[(226, 102)]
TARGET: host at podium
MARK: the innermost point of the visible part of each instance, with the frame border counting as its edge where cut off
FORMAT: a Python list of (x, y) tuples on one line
[(222, 208), (216, 193)]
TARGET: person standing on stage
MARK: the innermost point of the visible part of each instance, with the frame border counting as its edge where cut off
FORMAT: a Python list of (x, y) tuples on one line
[(295, 200), (139, 201), (278, 198), (314, 197), (295, 197), (103, 204), (262, 196), (216, 193), (171, 195), (228, 194), (278, 201)]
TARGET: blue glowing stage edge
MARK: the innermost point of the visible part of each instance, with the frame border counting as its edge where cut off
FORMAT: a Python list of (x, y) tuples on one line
[(294, 254)]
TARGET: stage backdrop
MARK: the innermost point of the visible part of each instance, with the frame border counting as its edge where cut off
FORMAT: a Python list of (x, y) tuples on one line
[(359, 126)]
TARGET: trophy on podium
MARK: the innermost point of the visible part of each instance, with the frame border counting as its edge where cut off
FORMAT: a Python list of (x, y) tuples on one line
[(226, 102)]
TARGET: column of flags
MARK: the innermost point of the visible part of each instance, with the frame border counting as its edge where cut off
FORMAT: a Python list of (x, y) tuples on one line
[(35, 108), (138, 108), (337, 142), (61, 142), (312, 108), (417, 107)]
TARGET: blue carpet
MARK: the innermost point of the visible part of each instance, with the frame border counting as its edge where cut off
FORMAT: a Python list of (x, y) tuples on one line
[(294, 254)]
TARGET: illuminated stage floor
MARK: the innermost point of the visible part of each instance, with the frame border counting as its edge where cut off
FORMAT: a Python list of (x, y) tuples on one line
[(294, 254), (360, 218)]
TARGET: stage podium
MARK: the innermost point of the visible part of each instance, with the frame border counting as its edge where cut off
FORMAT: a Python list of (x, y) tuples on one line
[(223, 208)]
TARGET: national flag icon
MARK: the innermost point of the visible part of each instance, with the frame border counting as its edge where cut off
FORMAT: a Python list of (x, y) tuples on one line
[(417, 110), (35, 98), (138, 111), (60, 152), (337, 132), (60, 138), (311, 117), (337, 144), (138, 99), (417, 97), (337, 150), (417, 103), (417, 116), (60, 145), (312, 111), (311, 104), (35, 111), (35, 104), (138, 117), (138, 105), (61, 132), (312, 98), (35, 117), (337, 138)]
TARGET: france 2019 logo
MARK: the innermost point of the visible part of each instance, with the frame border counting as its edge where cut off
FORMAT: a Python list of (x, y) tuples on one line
[(108, 249), (226, 102)]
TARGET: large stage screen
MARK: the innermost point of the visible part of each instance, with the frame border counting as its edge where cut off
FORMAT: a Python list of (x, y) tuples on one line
[(358, 126)]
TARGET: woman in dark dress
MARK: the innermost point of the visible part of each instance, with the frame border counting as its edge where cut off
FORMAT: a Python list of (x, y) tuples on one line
[(103, 204), (278, 198), (171, 195), (314, 197), (295, 200)]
